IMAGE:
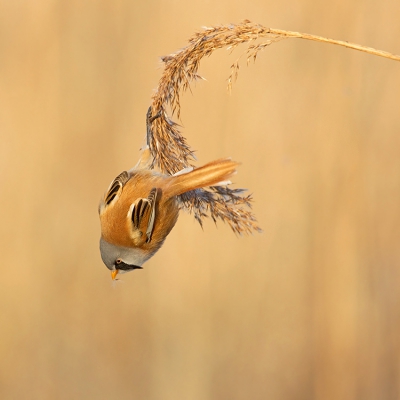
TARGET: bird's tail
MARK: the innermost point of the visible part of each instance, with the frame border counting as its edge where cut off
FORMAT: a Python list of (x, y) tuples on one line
[(214, 173)]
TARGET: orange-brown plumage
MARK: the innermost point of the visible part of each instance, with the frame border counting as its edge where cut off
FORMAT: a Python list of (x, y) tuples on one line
[(141, 206)]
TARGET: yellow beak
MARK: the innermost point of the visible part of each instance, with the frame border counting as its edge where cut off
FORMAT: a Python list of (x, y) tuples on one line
[(114, 274)]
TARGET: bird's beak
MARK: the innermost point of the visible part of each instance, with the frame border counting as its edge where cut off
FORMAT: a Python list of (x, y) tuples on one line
[(114, 274)]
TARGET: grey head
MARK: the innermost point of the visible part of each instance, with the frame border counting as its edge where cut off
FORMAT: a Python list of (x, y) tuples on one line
[(120, 259)]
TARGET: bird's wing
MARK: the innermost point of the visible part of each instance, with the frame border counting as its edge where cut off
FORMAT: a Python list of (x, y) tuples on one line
[(143, 213), (116, 187)]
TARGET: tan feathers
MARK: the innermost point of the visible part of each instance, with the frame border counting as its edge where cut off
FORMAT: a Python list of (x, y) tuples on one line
[(211, 174), (146, 207)]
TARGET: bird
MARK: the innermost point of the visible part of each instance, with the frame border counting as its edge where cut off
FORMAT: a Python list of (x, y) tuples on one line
[(141, 206)]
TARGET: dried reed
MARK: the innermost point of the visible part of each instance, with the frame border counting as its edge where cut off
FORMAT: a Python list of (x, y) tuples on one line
[(169, 148)]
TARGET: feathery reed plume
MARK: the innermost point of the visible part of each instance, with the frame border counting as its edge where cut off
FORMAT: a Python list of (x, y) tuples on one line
[(169, 148)]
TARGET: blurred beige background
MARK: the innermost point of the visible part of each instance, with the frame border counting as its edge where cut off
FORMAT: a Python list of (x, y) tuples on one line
[(310, 309)]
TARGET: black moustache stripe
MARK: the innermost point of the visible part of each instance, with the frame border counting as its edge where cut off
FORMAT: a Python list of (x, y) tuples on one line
[(126, 267)]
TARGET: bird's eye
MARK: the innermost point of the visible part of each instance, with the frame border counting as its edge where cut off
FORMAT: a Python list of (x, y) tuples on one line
[(118, 261)]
